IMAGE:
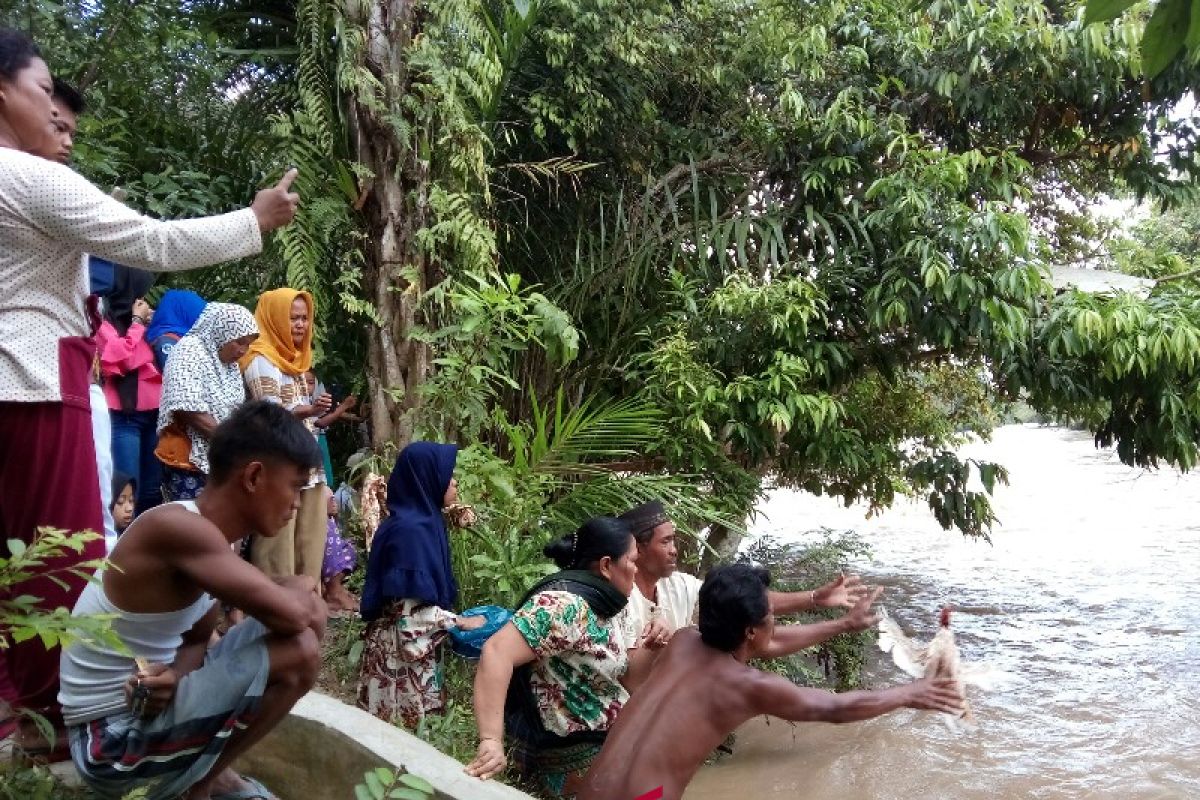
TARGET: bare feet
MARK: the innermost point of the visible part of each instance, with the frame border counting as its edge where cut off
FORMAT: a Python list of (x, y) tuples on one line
[(338, 598), (31, 745)]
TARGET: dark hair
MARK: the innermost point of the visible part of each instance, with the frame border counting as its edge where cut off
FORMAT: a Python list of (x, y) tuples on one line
[(16, 51), (732, 599), (595, 539), (260, 431), (69, 96)]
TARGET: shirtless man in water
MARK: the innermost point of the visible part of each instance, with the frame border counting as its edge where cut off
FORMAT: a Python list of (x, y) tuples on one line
[(173, 713), (702, 688)]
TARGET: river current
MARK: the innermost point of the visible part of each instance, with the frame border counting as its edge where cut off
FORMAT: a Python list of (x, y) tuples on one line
[(1089, 595)]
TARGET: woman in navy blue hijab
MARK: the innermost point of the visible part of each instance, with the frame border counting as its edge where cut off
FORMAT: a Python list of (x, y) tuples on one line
[(410, 589)]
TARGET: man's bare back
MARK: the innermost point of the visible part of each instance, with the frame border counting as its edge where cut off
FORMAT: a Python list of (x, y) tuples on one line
[(146, 580), (693, 699)]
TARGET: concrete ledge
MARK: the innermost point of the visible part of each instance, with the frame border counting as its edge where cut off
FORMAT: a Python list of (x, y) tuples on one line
[(323, 748)]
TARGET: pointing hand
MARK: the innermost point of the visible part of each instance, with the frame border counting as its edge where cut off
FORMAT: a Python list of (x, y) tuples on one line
[(276, 207)]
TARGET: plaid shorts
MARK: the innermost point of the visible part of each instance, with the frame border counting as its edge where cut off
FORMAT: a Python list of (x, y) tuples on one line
[(170, 753)]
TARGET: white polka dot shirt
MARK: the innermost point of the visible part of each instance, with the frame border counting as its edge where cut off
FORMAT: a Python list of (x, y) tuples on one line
[(49, 217)]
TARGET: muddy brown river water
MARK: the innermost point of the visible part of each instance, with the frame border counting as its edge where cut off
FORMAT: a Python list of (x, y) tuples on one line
[(1089, 595)]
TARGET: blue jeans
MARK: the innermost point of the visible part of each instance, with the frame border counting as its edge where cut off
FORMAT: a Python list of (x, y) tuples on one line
[(133, 443)]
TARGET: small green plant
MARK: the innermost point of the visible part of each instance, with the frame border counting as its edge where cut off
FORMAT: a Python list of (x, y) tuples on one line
[(20, 617), (382, 783), (21, 620), (838, 662)]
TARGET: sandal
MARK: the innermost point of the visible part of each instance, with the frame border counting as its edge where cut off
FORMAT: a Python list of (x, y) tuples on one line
[(256, 792)]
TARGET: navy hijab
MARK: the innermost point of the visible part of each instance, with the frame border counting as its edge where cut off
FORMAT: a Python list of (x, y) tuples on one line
[(410, 554)]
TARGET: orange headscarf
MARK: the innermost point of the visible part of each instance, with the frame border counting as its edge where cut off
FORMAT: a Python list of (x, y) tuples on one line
[(273, 315)]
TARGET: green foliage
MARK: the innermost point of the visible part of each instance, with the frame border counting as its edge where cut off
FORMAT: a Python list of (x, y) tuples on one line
[(838, 662), (1174, 25), (565, 465), (382, 783), (20, 618), (492, 324), (18, 782), (1124, 366), (810, 235)]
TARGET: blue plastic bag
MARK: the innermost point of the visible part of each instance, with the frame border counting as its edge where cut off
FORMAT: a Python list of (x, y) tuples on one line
[(469, 644)]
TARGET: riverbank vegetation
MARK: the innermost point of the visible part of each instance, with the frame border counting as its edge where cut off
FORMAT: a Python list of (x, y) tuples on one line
[(690, 249), (807, 236)]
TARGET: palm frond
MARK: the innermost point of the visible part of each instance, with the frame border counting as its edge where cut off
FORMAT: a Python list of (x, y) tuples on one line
[(581, 440)]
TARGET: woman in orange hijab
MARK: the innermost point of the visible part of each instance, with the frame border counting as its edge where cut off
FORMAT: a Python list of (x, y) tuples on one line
[(274, 369)]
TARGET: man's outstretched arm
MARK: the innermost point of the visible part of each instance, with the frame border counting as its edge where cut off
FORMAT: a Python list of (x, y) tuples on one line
[(781, 698), (789, 639)]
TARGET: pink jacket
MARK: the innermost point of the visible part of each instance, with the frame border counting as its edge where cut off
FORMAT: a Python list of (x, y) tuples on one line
[(121, 355)]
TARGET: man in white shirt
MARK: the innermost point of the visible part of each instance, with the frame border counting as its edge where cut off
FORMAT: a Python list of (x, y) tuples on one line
[(665, 600), (68, 105)]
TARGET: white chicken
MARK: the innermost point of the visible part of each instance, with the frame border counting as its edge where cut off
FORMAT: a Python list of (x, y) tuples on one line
[(939, 659)]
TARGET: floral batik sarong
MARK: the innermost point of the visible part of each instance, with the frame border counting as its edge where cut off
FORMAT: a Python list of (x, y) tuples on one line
[(401, 678)]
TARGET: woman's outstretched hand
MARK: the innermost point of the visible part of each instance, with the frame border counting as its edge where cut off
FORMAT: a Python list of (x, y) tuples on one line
[(469, 623), (489, 759)]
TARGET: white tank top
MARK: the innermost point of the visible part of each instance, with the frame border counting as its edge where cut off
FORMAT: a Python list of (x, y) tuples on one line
[(92, 677)]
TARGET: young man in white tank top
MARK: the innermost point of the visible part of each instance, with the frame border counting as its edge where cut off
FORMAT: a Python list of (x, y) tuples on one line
[(173, 718)]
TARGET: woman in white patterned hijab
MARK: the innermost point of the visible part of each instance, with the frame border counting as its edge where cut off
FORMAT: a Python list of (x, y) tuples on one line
[(202, 385)]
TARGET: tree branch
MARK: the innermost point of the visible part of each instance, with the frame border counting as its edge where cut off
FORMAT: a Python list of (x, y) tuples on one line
[(1178, 276)]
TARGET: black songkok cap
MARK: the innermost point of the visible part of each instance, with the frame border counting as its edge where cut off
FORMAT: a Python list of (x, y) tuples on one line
[(645, 518)]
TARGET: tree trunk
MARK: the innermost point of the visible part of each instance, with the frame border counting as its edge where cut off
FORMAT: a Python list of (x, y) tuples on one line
[(394, 207), (725, 542)]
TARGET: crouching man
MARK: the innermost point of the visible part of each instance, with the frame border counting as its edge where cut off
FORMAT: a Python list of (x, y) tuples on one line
[(174, 714), (702, 688)]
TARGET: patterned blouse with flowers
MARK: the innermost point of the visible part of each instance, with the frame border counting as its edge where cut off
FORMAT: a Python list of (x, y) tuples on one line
[(580, 660)]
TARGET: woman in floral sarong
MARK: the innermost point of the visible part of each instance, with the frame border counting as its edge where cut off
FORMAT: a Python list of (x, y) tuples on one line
[(562, 662), (410, 589)]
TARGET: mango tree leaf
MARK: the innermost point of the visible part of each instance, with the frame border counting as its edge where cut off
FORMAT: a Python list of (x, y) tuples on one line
[(375, 786), (420, 784), (1193, 34), (1104, 10), (408, 794), (1164, 35)]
